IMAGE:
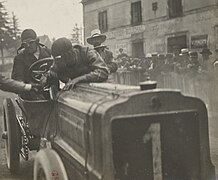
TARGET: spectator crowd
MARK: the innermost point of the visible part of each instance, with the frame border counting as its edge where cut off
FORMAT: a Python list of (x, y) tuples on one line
[(154, 63)]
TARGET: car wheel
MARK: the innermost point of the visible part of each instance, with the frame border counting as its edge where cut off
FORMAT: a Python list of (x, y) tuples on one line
[(48, 166), (12, 140)]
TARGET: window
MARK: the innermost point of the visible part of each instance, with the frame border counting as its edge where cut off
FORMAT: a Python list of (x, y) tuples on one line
[(137, 49), (175, 44), (102, 21), (136, 13), (175, 8)]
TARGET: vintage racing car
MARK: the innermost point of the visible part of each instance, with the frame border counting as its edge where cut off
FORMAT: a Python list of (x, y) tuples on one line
[(102, 131)]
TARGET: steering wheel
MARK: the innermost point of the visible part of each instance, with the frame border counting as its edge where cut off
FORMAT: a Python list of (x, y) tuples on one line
[(40, 67)]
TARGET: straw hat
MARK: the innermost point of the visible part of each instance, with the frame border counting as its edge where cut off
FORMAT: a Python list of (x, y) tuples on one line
[(184, 51), (148, 55), (96, 33)]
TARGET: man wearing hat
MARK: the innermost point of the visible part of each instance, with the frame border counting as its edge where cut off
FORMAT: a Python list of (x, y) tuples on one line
[(155, 62), (74, 64), (122, 54), (183, 60), (29, 52), (207, 65), (194, 63), (96, 39), (184, 57)]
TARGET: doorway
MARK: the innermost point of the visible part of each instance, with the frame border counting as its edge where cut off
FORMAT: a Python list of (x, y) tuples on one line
[(137, 49), (175, 44)]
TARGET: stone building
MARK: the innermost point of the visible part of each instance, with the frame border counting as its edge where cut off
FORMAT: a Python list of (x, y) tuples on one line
[(145, 26)]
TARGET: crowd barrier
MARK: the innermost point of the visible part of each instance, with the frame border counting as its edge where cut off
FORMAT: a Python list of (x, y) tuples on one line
[(201, 85)]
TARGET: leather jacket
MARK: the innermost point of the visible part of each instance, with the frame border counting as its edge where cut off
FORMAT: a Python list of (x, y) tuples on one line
[(23, 61), (10, 85), (80, 61)]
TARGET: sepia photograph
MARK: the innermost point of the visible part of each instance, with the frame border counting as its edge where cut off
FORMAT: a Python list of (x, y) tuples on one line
[(109, 89)]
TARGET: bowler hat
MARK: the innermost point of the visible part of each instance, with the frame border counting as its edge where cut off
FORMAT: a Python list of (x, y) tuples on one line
[(96, 33), (193, 54), (60, 46), (206, 51), (28, 35)]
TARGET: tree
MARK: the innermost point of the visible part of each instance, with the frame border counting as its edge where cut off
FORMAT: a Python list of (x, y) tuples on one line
[(76, 35), (15, 33), (15, 27), (6, 32)]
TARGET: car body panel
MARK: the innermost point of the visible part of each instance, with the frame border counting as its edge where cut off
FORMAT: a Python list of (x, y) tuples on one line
[(87, 117)]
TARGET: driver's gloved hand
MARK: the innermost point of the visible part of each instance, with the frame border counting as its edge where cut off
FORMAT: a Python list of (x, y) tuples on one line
[(44, 80), (48, 79), (38, 88)]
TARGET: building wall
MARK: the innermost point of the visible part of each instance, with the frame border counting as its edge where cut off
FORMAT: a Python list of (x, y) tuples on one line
[(189, 5), (149, 14), (200, 18), (200, 23), (118, 13)]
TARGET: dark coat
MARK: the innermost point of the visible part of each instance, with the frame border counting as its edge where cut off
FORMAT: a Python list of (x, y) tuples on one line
[(10, 85), (23, 61), (80, 61), (108, 58)]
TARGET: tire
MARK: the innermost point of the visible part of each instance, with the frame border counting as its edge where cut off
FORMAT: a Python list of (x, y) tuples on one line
[(48, 166), (12, 142)]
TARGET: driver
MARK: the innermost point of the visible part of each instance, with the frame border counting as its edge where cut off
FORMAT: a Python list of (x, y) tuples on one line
[(29, 52)]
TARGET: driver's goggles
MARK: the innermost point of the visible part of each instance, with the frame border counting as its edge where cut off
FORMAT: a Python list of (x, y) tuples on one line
[(27, 44)]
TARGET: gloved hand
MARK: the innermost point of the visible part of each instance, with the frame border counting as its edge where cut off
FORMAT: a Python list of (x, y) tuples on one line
[(36, 88), (48, 79), (72, 82), (44, 80)]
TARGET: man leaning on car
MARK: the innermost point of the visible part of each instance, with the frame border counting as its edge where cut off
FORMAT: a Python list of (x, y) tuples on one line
[(74, 64)]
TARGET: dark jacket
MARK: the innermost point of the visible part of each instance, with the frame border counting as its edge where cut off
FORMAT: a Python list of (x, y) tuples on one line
[(23, 61), (108, 58), (122, 55), (10, 85), (80, 61)]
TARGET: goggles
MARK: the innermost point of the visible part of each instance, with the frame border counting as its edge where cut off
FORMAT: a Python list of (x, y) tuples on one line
[(27, 44)]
